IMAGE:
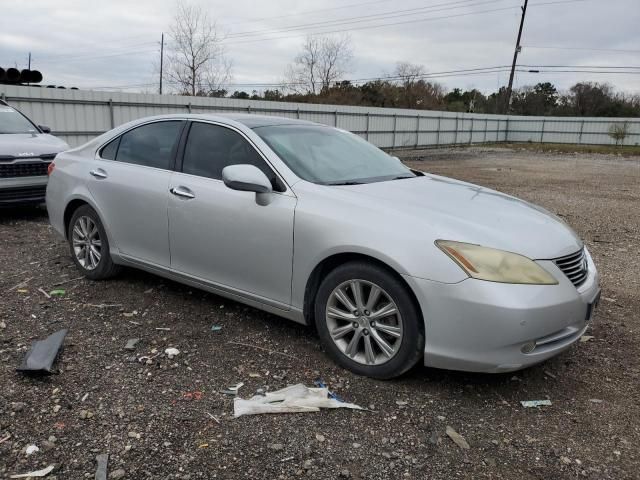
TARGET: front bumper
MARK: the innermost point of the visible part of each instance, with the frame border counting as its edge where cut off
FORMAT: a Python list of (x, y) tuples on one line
[(22, 190), (482, 326)]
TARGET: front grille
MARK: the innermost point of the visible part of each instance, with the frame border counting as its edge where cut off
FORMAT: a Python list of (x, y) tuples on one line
[(574, 266), (23, 169), (23, 194)]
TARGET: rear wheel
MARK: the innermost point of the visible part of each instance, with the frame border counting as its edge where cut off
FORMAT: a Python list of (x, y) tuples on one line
[(368, 321), (89, 245)]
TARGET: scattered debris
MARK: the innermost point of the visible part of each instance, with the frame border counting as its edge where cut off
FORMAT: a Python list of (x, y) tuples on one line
[(292, 399), (164, 329), (2, 440), (595, 400), (104, 305), (131, 344), (457, 438), (68, 281), (59, 292), (197, 395), (84, 397), (21, 284), (435, 438), (320, 437), (120, 473), (38, 473), (262, 348), (31, 449), (549, 374), (320, 384), (535, 403), (586, 338), (101, 470), (254, 375), (401, 403), (171, 352), (233, 389), (214, 418), (40, 357), (216, 328), (44, 293)]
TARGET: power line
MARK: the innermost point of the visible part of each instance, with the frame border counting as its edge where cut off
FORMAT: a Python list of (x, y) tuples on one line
[(370, 18), (581, 48)]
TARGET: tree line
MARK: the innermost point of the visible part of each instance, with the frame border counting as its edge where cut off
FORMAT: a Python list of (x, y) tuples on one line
[(197, 64)]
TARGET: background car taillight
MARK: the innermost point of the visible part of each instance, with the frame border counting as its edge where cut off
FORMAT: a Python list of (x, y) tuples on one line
[(50, 168)]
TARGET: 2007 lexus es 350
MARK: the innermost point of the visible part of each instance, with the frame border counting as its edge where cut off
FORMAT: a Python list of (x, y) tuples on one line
[(314, 224)]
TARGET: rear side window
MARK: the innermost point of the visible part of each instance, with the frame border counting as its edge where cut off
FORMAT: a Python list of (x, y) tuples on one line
[(151, 145), (210, 148)]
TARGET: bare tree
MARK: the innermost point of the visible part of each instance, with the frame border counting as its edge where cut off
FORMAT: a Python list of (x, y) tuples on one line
[(408, 73), (322, 61), (196, 60)]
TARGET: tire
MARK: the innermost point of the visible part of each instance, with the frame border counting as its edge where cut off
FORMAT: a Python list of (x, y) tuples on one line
[(83, 220), (330, 309)]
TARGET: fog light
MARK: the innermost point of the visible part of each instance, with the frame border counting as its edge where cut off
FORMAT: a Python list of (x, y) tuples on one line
[(528, 347)]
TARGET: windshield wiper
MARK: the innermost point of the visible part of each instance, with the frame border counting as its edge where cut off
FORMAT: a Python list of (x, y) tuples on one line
[(348, 182)]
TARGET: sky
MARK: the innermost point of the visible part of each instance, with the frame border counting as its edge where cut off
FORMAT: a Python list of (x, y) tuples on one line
[(114, 44)]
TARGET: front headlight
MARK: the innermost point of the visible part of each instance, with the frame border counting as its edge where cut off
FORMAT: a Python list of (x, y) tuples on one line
[(495, 265)]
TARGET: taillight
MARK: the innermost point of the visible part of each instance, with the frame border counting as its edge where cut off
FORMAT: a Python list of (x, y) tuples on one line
[(50, 168)]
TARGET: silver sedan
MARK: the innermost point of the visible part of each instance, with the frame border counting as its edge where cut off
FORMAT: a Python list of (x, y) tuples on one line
[(314, 224)]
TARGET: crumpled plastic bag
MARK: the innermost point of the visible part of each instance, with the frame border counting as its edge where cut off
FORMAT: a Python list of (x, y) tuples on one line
[(293, 399)]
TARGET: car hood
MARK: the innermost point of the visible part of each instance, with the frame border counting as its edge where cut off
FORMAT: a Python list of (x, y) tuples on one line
[(30, 144), (453, 210)]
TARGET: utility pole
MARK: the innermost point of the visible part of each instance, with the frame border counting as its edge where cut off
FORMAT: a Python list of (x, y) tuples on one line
[(507, 103), (161, 59)]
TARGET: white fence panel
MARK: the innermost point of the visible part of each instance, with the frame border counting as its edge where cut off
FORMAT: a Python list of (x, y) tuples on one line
[(77, 116)]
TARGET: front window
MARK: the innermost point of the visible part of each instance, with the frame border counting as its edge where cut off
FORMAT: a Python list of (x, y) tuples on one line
[(330, 156), (12, 121)]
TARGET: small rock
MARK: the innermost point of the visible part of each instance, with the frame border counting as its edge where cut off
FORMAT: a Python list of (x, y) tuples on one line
[(401, 403), (84, 414), (307, 464), (565, 460), (356, 445), (120, 473), (56, 408), (595, 400), (276, 446), (133, 435), (435, 438), (441, 418), (586, 338), (457, 438), (320, 437), (17, 406), (345, 473), (3, 325), (131, 344), (31, 449), (172, 352)]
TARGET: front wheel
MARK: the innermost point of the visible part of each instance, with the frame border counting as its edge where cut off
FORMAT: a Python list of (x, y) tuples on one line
[(89, 245), (368, 321)]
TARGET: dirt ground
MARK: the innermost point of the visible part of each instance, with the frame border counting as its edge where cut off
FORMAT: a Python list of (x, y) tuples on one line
[(147, 418)]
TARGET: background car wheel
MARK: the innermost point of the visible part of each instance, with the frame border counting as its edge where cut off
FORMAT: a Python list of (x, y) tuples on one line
[(89, 245), (368, 321)]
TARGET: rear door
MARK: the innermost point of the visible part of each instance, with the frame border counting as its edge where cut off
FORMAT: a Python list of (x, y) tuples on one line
[(129, 181), (224, 236)]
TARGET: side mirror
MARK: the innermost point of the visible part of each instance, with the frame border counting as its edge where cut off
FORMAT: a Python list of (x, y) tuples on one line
[(44, 128), (246, 178)]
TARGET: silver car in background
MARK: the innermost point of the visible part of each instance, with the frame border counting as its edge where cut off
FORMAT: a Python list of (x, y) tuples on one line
[(26, 150), (316, 225)]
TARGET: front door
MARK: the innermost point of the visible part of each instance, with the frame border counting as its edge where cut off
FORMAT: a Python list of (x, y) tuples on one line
[(224, 236)]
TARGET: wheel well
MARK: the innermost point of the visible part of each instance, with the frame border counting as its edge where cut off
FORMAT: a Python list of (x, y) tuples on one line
[(323, 268), (68, 212)]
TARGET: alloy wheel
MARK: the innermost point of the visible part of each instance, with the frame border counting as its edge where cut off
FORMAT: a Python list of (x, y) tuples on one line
[(87, 245), (364, 322)]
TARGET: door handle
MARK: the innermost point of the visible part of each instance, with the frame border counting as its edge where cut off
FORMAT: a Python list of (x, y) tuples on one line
[(182, 192), (98, 173)]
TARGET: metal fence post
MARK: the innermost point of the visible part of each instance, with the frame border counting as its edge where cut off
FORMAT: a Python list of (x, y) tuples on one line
[(2, 97), (542, 132), (581, 130), (335, 121), (471, 133), (455, 136), (438, 133), (298, 113), (367, 129), (506, 132), (417, 129), (111, 119), (395, 122), (486, 126), (189, 107)]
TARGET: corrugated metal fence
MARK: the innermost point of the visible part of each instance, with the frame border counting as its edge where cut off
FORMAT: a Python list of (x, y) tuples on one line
[(77, 116)]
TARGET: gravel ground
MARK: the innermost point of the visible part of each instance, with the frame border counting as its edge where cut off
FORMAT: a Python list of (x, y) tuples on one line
[(147, 418)]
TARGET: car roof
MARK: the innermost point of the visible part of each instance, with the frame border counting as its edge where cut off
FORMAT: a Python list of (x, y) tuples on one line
[(254, 120)]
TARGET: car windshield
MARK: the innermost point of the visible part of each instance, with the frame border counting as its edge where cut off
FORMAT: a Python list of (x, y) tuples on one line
[(12, 121), (330, 156)]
